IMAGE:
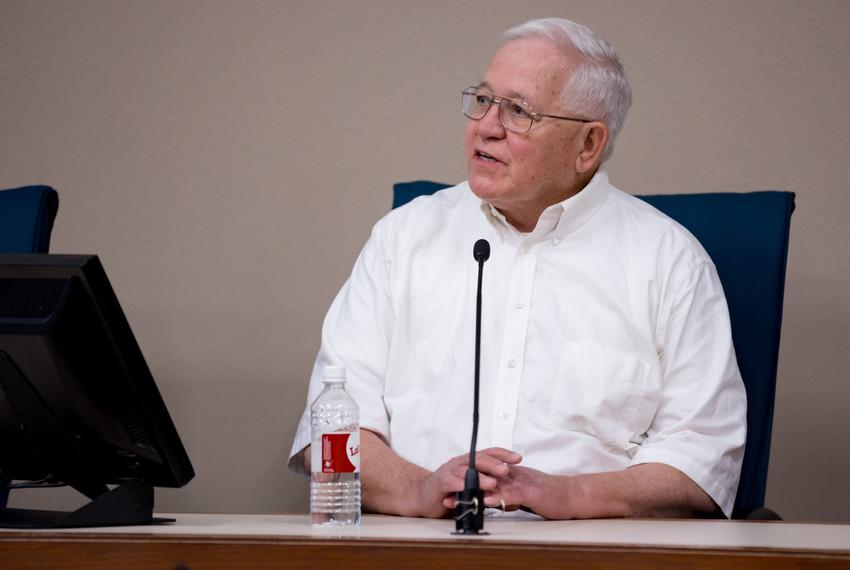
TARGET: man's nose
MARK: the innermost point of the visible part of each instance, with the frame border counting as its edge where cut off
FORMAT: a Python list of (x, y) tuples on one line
[(490, 125)]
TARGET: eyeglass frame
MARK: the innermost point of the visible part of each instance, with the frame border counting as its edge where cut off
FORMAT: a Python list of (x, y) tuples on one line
[(497, 99)]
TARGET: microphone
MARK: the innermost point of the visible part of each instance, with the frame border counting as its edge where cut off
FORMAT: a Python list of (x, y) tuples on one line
[(481, 253), (470, 502)]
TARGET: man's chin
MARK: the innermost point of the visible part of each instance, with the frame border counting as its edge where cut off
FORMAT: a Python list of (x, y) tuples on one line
[(484, 189)]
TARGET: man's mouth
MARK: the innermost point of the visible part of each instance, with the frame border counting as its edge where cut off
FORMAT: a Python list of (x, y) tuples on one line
[(487, 157)]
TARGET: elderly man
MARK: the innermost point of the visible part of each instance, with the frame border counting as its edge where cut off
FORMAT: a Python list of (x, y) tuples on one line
[(609, 381)]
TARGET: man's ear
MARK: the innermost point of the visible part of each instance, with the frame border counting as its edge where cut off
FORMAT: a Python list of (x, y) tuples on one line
[(594, 140)]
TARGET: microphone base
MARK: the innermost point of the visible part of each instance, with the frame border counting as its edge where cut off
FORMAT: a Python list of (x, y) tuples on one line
[(470, 533), (470, 512)]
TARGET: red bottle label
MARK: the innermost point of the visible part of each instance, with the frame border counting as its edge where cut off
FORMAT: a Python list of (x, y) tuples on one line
[(341, 452)]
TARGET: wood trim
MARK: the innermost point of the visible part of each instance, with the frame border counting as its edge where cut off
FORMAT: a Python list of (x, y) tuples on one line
[(27, 551)]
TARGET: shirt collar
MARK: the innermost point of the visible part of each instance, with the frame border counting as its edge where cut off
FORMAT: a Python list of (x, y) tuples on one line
[(558, 220)]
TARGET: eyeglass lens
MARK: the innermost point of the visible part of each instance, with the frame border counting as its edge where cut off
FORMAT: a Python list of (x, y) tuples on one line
[(514, 115)]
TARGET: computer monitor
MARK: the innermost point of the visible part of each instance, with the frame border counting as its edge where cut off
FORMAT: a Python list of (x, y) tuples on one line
[(78, 404)]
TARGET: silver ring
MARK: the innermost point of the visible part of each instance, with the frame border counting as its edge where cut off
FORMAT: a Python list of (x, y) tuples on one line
[(502, 504)]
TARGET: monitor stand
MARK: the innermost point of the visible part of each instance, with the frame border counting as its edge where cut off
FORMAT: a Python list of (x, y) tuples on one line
[(130, 503)]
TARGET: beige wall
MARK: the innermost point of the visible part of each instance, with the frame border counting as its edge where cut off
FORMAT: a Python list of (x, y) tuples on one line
[(227, 159)]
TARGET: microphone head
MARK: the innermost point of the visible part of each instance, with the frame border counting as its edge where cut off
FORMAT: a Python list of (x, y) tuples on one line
[(481, 250)]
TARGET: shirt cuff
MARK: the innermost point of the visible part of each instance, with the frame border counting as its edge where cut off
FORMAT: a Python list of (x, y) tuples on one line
[(716, 487)]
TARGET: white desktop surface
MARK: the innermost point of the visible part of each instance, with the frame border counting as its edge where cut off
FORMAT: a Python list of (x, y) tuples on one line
[(698, 534)]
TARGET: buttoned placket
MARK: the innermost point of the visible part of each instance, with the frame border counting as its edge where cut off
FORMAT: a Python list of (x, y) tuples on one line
[(512, 353)]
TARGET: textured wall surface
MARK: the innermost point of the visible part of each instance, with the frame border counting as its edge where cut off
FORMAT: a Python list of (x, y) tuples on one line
[(227, 160)]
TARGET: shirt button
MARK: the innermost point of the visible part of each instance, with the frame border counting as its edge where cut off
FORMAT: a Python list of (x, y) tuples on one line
[(519, 305), (504, 415), (511, 363), (555, 241)]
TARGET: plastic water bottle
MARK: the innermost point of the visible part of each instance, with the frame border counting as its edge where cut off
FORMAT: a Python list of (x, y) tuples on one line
[(335, 454)]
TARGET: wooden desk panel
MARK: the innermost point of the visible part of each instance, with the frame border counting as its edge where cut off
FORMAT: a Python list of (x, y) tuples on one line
[(288, 541)]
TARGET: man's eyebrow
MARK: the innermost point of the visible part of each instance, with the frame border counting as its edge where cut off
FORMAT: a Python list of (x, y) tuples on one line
[(511, 94)]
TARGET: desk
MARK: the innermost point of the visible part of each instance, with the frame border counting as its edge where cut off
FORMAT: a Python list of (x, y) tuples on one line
[(289, 541)]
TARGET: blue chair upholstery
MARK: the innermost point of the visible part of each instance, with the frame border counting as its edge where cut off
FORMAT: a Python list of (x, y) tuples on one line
[(746, 236), (26, 219)]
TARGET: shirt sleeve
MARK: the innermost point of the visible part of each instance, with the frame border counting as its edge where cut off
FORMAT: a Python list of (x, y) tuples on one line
[(356, 334), (700, 424)]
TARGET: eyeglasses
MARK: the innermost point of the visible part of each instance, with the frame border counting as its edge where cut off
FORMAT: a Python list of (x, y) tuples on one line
[(515, 115)]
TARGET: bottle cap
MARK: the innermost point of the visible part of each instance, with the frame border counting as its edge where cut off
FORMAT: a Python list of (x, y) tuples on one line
[(335, 373)]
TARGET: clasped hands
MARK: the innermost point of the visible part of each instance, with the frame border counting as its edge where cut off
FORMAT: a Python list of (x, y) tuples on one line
[(500, 477)]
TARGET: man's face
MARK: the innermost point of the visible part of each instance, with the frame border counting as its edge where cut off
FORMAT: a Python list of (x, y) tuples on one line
[(522, 174)]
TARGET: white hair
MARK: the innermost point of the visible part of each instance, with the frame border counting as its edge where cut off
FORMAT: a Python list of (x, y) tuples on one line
[(598, 88)]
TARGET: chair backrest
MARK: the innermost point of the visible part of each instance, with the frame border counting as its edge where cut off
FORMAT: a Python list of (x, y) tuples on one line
[(746, 236), (26, 219)]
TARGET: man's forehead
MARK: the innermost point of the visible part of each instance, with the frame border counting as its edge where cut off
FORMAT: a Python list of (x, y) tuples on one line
[(531, 69)]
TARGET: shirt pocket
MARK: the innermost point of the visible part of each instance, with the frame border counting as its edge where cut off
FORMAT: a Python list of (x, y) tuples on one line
[(598, 391)]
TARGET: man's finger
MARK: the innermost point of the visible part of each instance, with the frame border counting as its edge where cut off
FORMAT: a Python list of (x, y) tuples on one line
[(485, 481), (490, 465), (501, 454), (496, 501)]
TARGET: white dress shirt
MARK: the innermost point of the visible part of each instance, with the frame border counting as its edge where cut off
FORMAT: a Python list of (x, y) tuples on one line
[(605, 339)]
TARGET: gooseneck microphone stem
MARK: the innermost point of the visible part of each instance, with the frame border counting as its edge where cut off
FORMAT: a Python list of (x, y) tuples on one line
[(477, 366), (470, 502)]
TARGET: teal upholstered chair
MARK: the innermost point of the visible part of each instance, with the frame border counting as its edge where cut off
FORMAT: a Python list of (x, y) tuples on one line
[(746, 236), (26, 220)]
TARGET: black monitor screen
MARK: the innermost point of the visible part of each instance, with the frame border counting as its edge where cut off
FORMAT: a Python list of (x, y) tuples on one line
[(78, 404)]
